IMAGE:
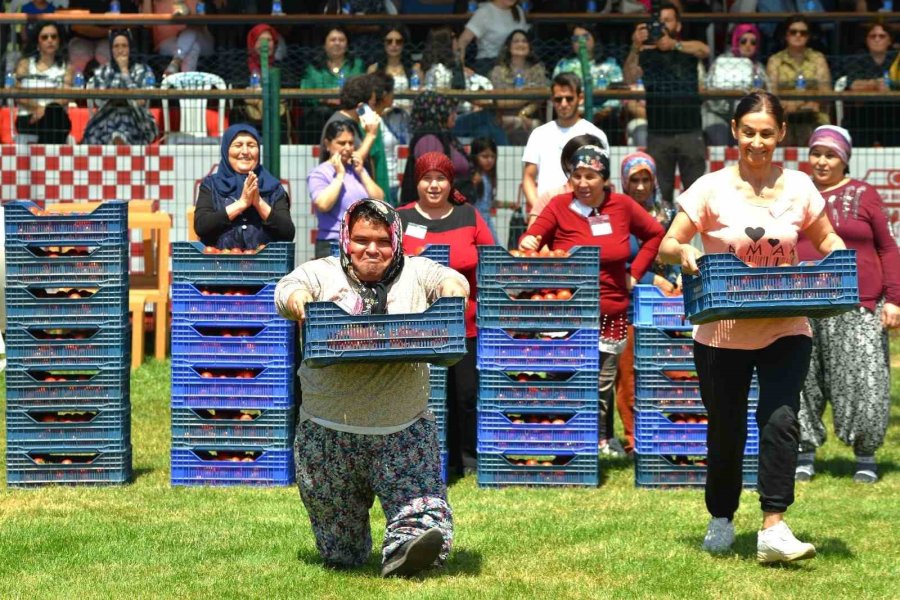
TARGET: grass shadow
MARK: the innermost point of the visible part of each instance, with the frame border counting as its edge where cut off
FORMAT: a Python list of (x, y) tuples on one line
[(845, 466), (140, 472), (461, 562), (745, 547), (609, 464)]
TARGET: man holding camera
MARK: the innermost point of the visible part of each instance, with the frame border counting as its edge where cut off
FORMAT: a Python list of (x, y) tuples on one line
[(671, 70)]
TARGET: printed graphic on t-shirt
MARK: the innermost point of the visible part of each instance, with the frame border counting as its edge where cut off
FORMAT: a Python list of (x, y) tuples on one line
[(765, 250)]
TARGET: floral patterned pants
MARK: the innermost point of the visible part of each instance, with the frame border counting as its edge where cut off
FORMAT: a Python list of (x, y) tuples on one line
[(850, 367), (339, 474)]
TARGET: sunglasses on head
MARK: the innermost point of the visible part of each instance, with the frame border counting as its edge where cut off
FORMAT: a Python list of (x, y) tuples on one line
[(393, 41), (800, 32), (748, 40), (561, 99)]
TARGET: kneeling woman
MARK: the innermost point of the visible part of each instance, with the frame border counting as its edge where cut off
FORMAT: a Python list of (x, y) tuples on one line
[(242, 205)]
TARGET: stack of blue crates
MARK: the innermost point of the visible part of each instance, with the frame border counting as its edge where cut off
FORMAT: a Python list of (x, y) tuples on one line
[(68, 410), (670, 420), (538, 362), (232, 368)]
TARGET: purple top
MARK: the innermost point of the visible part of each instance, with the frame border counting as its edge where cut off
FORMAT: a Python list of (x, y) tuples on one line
[(857, 214), (329, 223), (432, 143)]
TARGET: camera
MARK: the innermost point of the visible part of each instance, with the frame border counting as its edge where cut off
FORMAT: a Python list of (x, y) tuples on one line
[(656, 30)]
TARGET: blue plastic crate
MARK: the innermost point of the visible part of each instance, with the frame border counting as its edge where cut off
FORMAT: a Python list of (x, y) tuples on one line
[(33, 265), (562, 391), (674, 390), (726, 288), (444, 466), (670, 471), (439, 253), (83, 386), (655, 348), (190, 264), (556, 469), (268, 386), (233, 427), (535, 432), (209, 466), (79, 344), (44, 466), (440, 419), (331, 336), (234, 341), (655, 433), (109, 220), (498, 310), (256, 302), (437, 379), (652, 308), (25, 306), (498, 349), (69, 427), (498, 268)]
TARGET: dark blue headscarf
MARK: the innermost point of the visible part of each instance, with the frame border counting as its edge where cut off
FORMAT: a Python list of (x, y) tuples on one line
[(228, 182)]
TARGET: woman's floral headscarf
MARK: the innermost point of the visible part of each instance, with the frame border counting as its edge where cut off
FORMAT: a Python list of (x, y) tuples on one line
[(430, 111), (641, 161)]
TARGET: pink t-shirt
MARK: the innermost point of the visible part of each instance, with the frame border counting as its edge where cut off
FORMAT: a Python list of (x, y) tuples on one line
[(761, 235)]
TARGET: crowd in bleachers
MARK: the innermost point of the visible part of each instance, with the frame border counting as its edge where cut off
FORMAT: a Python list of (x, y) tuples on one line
[(497, 48)]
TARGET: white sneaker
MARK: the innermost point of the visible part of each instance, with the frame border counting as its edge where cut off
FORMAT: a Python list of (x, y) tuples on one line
[(719, 536), (778, 544)]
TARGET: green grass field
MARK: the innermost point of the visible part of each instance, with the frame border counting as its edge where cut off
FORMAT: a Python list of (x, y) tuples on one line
[(147, 539)]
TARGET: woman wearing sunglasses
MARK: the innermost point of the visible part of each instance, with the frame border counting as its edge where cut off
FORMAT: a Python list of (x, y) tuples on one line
[(396, 63), (45, 68), (738, 68), (800, 67)]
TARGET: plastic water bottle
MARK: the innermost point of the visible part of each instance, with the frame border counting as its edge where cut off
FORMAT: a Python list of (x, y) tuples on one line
[(887, 6), (150, 79), (757, 80), (887, 80), (10, 80), (347, 8), (809, 6), (254, 79), (602, 81), (78, 80), (525, 5), (472, 7), (115, 7), (519, 80), (414, 82), (200, 9), (276, 7), (591, 6), (800, 82), (341, 78)]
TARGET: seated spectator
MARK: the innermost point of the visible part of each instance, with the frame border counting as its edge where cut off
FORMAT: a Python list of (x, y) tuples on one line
[(328, 71), (444, 71), (123, 121), (735, 69), (489, 26), (433, 117), (242, 205), (184, 43), (518, 67), (603, 73), (872, 122), (397, 64), (250, 110), (799, 63), (339, 181), (45, 68)]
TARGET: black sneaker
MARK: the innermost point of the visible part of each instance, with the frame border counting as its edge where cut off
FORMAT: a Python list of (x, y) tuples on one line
[(415, 555)]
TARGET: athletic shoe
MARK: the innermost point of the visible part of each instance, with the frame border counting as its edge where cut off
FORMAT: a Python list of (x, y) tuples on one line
[(719, 536), (866, 471), (611, 447), (415, 555), (778, 544), (805, 472)]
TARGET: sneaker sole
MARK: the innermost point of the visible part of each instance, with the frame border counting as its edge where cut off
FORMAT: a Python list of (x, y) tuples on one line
[(766, 558), (418, 555)]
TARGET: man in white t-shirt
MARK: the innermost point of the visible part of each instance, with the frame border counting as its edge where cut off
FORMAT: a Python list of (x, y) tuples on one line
[(542, 173)]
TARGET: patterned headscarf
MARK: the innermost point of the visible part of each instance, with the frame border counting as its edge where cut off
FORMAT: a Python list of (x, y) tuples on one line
[(641, 161), (430, 111), (738, 32), (834, 138), (590, 157), (374, 295), (438, 161)]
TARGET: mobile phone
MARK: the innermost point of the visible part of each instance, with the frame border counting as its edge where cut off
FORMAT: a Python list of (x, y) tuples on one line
[(364, 111)]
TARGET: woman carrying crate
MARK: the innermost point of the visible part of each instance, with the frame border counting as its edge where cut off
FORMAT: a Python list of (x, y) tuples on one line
[(363, 429), (850, 361), (592, 215), (242, 205), (440, 215), (755, 210)]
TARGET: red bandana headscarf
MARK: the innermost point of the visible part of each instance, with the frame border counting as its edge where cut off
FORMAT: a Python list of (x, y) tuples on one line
[(252, 54), (437, 161)]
